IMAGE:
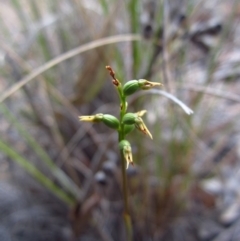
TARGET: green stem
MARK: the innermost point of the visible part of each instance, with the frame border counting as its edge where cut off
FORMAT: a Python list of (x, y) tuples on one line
[(124, 178), (121, 136)]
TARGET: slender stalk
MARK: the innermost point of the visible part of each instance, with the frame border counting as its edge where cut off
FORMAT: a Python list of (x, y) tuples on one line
[(124, 177), (132, 120), (121, 136), (126, 214), (123, 164)]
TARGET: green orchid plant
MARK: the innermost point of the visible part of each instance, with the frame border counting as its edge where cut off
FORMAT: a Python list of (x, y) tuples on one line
[(126, 123)]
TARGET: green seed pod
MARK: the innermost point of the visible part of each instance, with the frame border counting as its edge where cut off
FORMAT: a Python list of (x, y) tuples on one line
[(110, 121), (130, 87), (128, 129), (129, 118)]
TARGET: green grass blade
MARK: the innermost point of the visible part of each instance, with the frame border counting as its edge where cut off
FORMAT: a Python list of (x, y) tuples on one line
[(39, 176), (105, 6), (56, 171), (133, 10)]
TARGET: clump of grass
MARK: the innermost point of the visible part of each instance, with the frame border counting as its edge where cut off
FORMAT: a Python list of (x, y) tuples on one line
[(176, 140)]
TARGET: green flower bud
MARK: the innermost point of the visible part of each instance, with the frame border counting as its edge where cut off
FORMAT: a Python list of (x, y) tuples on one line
[(110, 121), (133, 85), (130, 87), (123, 143), (125, 147), (136, 120), (129, 118), (128, 129)]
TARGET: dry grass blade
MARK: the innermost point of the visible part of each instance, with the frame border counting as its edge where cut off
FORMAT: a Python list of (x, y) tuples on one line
[(68, 55), (212, 91), (165, 94)]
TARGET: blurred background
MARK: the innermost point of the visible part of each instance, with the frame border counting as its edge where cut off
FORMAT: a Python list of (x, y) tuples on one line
[(60, 179)]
